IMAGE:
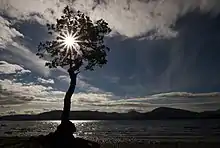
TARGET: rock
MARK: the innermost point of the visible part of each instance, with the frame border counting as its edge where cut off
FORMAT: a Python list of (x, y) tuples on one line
[(66, 128), (63, 138)]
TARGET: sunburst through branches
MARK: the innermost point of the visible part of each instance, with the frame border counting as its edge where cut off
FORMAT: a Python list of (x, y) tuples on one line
[(69, 43), (76, 40)]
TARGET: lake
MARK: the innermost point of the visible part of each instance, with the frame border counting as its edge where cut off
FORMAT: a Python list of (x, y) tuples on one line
[(127, 130)]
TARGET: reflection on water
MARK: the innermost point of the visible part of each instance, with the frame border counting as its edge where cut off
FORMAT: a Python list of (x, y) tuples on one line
[(80, 124), (74, 121), (126, 130)]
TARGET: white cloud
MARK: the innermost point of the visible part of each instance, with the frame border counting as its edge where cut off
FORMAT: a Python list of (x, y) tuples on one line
[(25, 90), (44, 81), (81, 84), (13, 92), (23, 11), (186, 94), (9, 43), (64, 78), (129, 18), (40, 97), (137, 17), (40, 11), (7, 68), (7, 33), (29, 59), (89, 98), (37, 10), (135, 21)]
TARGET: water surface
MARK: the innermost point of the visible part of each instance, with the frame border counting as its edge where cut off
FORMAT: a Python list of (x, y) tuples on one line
[(155, 130)]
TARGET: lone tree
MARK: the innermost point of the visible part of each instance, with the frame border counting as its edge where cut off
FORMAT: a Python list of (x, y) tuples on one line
[(77, 43)]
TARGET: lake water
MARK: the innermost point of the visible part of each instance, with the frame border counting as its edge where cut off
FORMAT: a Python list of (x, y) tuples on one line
[(153, 130)]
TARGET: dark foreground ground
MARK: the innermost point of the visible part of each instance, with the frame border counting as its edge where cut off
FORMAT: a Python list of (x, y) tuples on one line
[(20, 142)]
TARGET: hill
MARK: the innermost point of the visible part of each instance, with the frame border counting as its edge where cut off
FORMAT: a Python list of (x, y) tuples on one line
[(156, 114)]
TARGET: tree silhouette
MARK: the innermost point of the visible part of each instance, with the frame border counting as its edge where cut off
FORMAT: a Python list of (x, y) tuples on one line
[(77, 43)]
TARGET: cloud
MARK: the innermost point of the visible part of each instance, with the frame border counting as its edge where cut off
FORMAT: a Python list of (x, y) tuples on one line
[(46, 10), (12, 50), (8, 97), (44, 81), (11, 112), (187, 95), (7, 33), (155, 18), (20, 89), (151, 19), (156, 46), (90, 98), (4, 106), (186, 63), (39, 95), (15, 41), (25, 92), (123, 20), (138, 17), (6, 68), (14, 92)]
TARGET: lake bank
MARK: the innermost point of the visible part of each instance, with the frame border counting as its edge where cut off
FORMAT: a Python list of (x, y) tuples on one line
[(7, 142)]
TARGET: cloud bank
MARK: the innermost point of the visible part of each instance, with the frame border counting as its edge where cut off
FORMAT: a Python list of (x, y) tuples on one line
[(20, 97), (157, 46)]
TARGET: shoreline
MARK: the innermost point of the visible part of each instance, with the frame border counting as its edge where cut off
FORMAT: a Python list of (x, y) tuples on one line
[(9, 141)]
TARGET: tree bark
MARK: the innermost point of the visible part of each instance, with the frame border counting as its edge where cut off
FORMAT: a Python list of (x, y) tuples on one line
[(68, 95)]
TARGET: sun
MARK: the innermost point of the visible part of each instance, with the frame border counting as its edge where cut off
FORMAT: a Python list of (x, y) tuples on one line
[(69, 43)]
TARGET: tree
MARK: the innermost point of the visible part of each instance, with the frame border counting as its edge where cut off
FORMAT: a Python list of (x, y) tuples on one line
[(77, 43)]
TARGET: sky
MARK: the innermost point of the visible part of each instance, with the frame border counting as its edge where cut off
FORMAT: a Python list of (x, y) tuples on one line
[(164, 53)]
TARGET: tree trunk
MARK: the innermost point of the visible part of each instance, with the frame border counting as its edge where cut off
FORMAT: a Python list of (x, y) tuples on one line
[(67, 98)]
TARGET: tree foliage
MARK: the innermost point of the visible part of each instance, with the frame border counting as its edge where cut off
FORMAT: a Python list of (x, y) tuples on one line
[(90, 34)]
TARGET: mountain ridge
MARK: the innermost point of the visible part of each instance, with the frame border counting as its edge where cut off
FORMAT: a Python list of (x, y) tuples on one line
[(160, 113)]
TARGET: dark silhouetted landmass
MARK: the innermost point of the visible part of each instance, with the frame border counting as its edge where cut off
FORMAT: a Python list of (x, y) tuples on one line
[(156, 114)]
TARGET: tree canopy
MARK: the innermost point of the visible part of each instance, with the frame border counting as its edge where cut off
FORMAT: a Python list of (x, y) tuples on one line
[(76, 41)]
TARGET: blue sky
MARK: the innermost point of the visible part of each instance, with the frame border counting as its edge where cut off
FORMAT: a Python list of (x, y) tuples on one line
[(163, 53)]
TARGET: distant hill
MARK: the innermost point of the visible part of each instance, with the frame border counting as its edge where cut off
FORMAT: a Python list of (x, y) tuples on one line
[(156, 114), (171, 113)]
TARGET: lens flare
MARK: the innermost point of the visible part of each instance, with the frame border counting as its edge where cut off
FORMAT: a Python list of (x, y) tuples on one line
[(70, 43)]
